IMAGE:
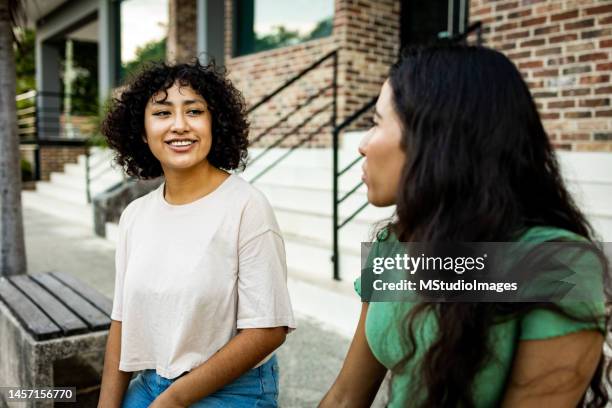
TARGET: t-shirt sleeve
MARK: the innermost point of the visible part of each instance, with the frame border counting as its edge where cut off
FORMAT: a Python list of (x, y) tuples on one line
[(263, 296), (120, 267), (586, 303)]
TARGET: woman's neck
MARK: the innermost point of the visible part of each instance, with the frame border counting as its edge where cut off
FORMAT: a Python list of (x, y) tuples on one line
[(184, 187)]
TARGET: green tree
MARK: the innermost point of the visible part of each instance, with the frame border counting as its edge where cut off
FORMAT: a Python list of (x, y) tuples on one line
[(12, 245), (322, 29), (280, 37), (25, 67), (151, 51)]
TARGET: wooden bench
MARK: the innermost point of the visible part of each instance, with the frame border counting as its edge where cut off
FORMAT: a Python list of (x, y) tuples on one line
[(47, 320)]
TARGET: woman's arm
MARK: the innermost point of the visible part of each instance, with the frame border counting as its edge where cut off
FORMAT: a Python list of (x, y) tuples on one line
[(361, 373), (553, 372), (114, 382), (242, 353)]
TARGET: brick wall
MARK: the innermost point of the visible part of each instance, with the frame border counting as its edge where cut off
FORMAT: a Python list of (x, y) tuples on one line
[(564, 50), (53, 158), (182, 30)]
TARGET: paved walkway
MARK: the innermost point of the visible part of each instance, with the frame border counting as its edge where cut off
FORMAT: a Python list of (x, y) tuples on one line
[(309, 360)]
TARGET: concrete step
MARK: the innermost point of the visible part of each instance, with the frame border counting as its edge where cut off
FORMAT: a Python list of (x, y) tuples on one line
[(73, 212), (71, 195), (77, 182)]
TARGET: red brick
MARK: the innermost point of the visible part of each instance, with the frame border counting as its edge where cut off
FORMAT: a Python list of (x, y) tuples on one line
[(607, 66), (547, 30), (548, 51), (605, 20), (563, 38), (564, 16), (549, 115), (561, 60), (604, 113), (506, 6), (518, 14), (596, 33), (533, 21), (576, 92), (605, 43), (604, 90), (593, 57), (575, 136), (507, 26), (606, 8), (519, 55), (592, 103), (531, 64), (579, 24), (561, 104), (595, 79), (518, 34), (581, 69), (577, 114), (533, 43), (546, 73)]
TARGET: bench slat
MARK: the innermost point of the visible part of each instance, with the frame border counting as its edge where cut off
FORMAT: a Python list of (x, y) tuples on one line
[(95, 319), (57, 312), (93, 296), (27, 313)]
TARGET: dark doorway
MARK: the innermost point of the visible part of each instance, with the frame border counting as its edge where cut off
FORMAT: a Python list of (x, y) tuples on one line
[(426, 21)]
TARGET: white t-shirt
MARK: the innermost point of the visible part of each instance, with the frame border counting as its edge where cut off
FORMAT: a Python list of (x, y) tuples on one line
[(189, 276)]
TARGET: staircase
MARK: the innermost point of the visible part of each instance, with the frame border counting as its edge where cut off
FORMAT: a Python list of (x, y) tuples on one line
[(65, 194)]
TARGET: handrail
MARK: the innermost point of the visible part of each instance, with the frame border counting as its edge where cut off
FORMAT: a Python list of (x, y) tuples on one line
[(321, 92), (292, 80), (474, 27), (336, 174), (287, 116), (291, 132)]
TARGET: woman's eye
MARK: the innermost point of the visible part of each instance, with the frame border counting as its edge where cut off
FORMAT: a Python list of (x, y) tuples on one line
[(161, 113), (194, 112)]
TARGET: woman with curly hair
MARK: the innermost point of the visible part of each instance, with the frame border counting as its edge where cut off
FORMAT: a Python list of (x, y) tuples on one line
[(201, 300), (458, 146)]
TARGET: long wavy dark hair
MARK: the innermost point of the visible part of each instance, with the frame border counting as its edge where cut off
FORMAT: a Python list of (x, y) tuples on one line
[(479, 167)]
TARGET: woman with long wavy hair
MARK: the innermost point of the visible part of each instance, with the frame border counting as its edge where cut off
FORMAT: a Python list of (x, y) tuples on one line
[(457, 144)]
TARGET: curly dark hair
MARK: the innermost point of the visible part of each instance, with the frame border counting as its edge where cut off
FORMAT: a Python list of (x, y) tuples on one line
[(123, 126)]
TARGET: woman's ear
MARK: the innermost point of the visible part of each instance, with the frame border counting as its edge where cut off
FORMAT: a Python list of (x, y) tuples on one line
[(144, 138)]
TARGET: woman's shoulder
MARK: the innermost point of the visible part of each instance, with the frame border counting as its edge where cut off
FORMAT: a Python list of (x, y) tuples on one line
[(545, 233), (137, 205)]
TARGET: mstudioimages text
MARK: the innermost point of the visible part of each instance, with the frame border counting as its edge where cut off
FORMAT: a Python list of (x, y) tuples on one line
[(411, 264), (440, 285)]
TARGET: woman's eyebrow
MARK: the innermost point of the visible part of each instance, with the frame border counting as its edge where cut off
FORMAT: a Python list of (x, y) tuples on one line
[(186, 102)]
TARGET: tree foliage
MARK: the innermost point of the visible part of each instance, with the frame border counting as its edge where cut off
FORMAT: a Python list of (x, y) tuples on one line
[(151, 51)]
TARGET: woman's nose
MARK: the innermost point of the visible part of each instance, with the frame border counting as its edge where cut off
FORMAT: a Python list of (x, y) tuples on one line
[(364, 142), (180, 124)]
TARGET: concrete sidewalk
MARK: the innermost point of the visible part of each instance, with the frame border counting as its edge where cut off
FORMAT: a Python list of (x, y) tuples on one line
[(309, 360)]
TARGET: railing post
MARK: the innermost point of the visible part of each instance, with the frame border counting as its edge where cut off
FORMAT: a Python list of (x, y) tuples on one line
[(335, 134), (87, 177)]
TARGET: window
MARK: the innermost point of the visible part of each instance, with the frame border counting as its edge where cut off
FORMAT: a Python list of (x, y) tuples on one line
[(425, 21), (144, 29), (266, 24)]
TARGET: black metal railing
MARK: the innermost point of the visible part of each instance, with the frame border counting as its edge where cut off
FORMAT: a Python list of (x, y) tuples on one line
[(47, 118), (295, 130)]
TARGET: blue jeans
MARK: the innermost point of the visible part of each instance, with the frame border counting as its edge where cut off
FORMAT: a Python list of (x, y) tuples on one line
[(257, 388)]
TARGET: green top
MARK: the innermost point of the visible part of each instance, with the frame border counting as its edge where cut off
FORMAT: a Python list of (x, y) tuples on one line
[(385, 320)]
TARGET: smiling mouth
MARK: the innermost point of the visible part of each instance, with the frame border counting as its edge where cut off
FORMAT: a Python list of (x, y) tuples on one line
[(180, 142)]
